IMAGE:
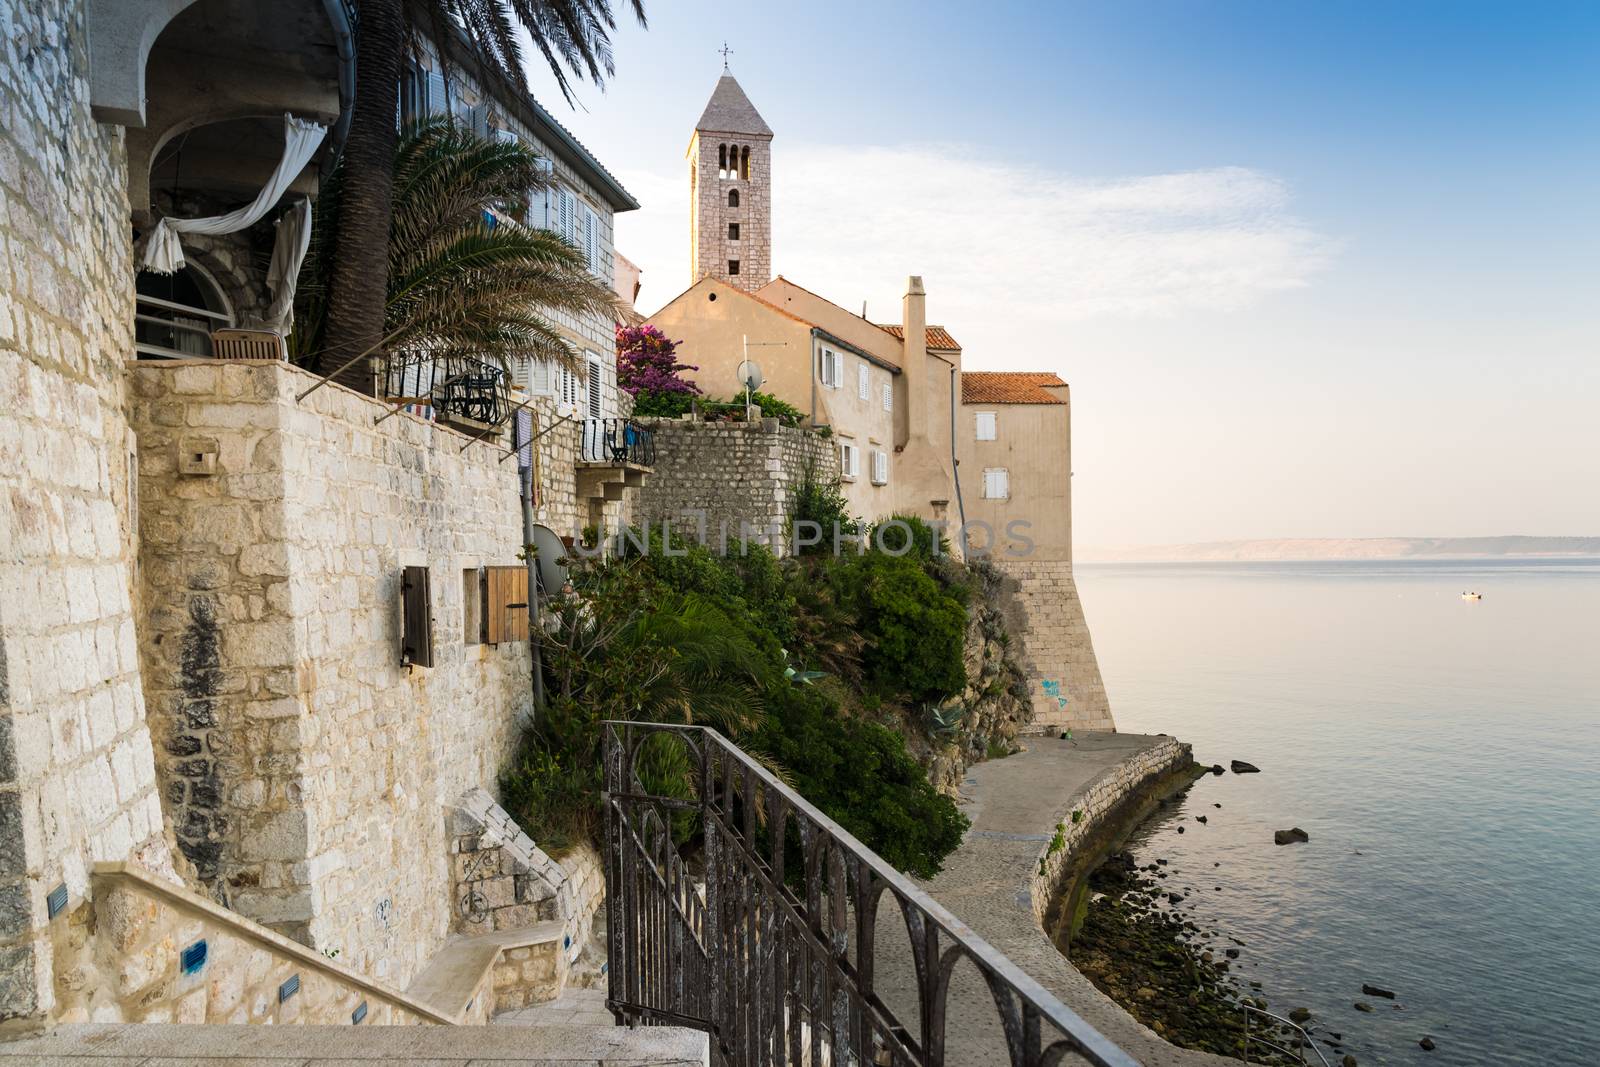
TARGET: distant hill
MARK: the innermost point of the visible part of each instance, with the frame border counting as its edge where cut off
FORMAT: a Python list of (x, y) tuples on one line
[(1332, 548)]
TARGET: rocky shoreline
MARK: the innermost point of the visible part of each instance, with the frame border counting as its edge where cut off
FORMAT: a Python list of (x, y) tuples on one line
[(1126, 928), (1136, 948)]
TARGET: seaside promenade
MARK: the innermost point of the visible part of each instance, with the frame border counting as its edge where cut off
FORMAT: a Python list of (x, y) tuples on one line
[(1015, 805)]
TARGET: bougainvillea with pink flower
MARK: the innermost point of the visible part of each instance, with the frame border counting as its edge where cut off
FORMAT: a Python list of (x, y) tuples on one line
[(647, 363)]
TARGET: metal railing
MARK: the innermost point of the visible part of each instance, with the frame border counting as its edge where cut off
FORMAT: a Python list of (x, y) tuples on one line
[(1266, 1037), (773, 951), (448, 388), (617, 441)]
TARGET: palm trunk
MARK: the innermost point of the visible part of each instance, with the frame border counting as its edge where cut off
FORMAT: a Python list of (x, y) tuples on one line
[(358, 284)]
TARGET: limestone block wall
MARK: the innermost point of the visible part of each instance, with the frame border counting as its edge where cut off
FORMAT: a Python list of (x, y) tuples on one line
[(503, 881), (1098, 802), (306, 770), (1059, 658), (125, 963), (715, 476), (77, 778)]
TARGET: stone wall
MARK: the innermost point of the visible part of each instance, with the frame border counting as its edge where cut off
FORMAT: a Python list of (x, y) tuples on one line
[(712, 477), (306, 770), (1100, 803), (1063, 674), (503, 881), (77, 778), (123, 961)]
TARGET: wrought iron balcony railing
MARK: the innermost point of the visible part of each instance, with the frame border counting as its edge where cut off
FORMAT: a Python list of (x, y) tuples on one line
[(617, 441), (775, 952), (451, 389)]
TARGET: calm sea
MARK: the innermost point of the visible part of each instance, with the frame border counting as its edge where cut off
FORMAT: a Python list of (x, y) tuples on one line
[(1444, 756)]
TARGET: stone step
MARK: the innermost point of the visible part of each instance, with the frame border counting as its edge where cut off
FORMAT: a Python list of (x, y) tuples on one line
[(473, 978), (396, 1046)]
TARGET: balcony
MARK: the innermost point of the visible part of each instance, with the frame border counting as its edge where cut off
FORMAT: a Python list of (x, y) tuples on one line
[(456, 391), (613, 455), (783, 949)]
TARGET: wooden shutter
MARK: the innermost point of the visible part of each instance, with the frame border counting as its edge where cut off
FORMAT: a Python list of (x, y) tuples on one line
[(591, 238), (888, 396), (416, 618), (505, 603), (862, 387), (985, 425)]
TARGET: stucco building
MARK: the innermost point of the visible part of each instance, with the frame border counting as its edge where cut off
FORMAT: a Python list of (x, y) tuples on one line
[(988, 453)]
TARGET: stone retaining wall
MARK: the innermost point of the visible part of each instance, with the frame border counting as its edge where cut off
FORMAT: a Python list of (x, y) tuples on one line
[(1103, 804), (306, 771), (122, 960), (713, 477)]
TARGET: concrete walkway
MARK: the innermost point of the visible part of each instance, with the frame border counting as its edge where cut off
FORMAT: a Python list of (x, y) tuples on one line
[(1014, 806)]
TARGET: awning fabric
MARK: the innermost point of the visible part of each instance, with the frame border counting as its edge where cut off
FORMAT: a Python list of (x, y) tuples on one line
[(163, 253)]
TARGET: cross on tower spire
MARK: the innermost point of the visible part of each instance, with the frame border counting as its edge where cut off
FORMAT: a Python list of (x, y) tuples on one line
[(726, 52)]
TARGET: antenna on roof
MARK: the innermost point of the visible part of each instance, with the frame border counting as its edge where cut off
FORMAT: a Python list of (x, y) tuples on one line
[(863, 309), (726, 52)]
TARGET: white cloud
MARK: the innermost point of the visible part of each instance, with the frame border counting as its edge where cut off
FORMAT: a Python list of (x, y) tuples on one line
[(995, 240)]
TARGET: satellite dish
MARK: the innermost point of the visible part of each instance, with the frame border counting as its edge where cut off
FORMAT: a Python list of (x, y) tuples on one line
[(750, 375), (550, 552)]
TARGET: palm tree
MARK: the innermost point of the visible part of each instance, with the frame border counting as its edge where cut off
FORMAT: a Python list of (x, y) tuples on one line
[(463, 276), (571, 35)]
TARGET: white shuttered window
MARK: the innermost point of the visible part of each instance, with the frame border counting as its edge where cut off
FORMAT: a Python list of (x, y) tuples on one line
[(880, 467), (996, 483), (985, 425), (863, 386), (888, 396), (849, 459)]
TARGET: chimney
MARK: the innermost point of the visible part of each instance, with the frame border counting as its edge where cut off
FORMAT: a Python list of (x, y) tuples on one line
[(914, 357)]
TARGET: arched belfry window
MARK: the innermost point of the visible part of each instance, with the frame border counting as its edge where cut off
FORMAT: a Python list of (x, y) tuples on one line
[(176, 313), (744, 162), (733, 198), (722, 161)]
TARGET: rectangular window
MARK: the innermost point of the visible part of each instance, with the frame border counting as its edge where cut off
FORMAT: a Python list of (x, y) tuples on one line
[(888, 396), (733, 266), (880, 468), (596, 385), (996, 484), (591, 239), (472, 606), (863, 385), (849, 460), (830, 368), (985, 423), (733, 231)]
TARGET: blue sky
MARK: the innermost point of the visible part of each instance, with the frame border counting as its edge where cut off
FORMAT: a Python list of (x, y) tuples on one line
[(1312, 269)]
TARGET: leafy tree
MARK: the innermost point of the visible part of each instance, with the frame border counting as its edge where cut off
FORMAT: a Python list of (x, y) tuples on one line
[(458, 283)]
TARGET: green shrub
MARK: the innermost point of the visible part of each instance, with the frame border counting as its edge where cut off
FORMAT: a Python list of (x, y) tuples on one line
[(915, 629), (649, 403), (822, 502), (861, 775), (773, 408)]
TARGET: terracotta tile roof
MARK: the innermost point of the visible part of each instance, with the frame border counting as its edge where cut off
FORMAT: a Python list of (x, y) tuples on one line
[(938, 337), (1008, 387)]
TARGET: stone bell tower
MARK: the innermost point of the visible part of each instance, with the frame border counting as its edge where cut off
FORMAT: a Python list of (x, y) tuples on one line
[(730, 191)]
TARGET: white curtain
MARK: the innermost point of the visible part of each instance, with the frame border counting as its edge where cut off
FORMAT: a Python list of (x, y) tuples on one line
[(288, 252), (163, 254)]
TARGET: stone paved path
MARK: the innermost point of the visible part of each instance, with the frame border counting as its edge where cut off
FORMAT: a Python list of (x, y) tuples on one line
[(574, 1007), (1014, 806)]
